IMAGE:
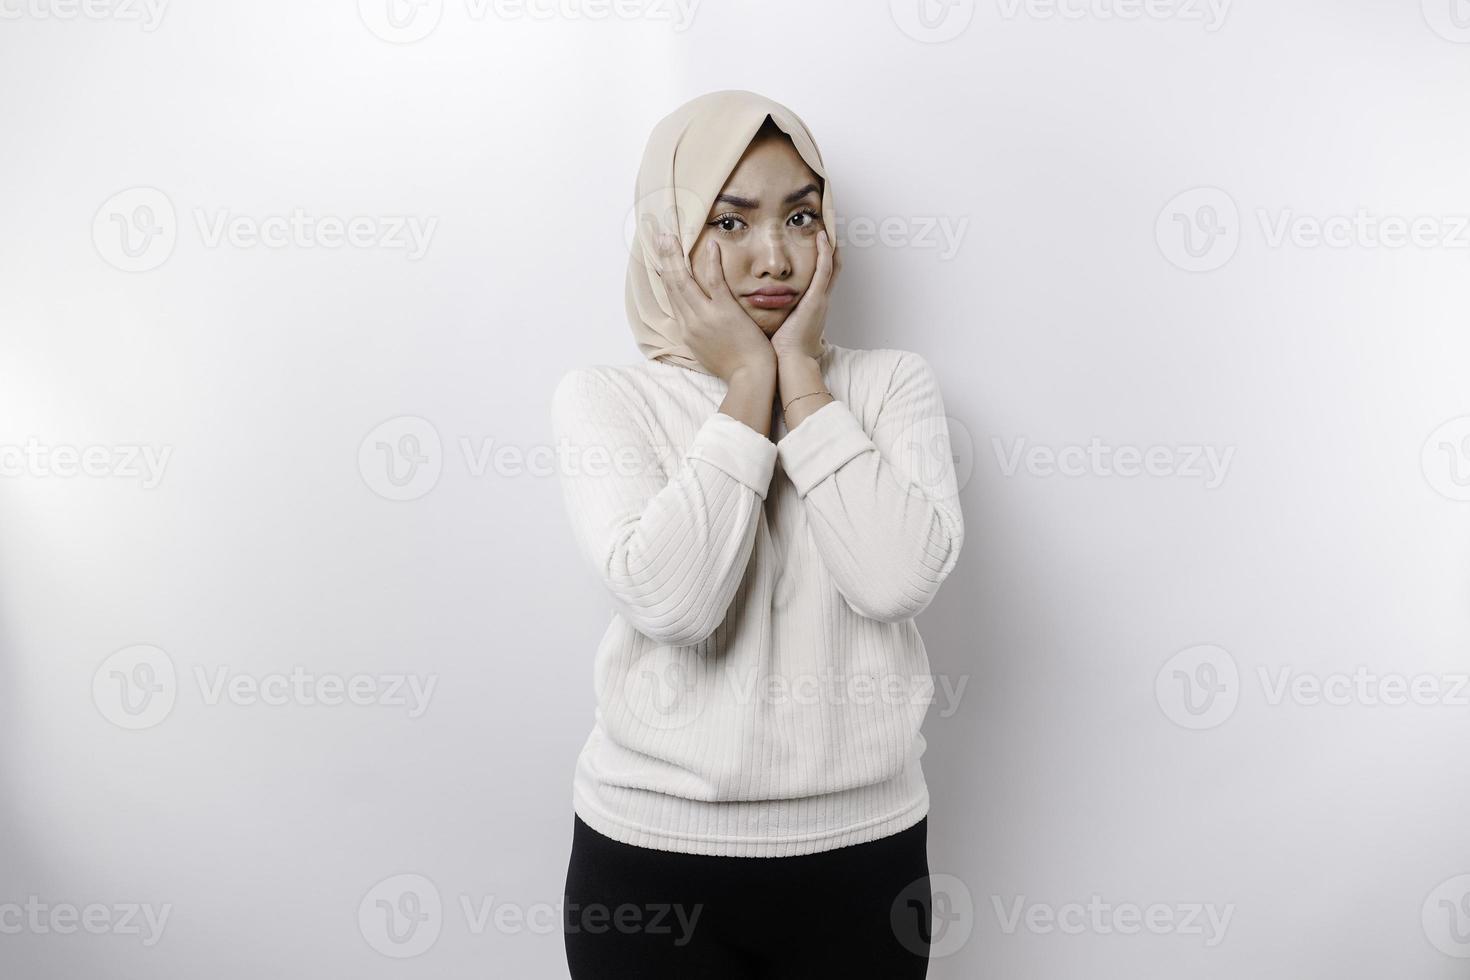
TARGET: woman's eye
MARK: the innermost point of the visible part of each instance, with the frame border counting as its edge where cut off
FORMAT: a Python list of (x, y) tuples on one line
[(726, 222), (805, 218)]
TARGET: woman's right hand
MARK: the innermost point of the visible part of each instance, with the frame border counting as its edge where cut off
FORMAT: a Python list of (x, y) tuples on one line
[(716, 330)]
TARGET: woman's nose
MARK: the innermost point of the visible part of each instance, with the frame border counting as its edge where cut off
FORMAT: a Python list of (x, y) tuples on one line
[(773, 256)]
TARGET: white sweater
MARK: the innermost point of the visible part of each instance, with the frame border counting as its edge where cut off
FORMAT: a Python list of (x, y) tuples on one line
[(762, 682)]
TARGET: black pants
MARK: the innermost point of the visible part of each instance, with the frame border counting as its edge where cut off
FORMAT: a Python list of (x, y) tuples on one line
[(861, 911)]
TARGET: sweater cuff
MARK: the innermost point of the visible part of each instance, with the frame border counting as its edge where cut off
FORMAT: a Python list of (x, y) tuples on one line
[(728, 444), (820, 444)]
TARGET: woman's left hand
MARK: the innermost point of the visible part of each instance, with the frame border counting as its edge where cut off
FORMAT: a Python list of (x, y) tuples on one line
[(801, 334)]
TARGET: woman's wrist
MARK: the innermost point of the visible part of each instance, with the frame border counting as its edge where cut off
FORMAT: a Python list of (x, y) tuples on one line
[(748, 396), (794, 359), (801, 387), (797, 374), (754, 373)]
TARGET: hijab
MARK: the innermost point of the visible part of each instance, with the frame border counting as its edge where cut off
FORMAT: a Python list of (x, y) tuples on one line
[(690, 154)]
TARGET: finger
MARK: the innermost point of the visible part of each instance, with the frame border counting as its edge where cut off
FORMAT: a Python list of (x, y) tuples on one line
[(822, 279), (676, 277), (668, 274), (815, 297), (712, 273), (663, 252), (649, 232)]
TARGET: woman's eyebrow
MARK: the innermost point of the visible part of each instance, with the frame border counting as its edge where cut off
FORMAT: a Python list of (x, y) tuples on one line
[(745, 202)]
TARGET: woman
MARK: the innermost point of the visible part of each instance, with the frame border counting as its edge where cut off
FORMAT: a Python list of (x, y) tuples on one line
[(750, 802)]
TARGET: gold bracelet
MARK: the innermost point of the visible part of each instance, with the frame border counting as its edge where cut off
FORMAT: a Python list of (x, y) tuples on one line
[(798, 398)]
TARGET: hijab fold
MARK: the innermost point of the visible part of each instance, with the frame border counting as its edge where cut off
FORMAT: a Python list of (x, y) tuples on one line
[(690, 154)]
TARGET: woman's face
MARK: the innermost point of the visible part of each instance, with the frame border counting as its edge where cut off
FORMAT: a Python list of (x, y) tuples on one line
[(766, 219)]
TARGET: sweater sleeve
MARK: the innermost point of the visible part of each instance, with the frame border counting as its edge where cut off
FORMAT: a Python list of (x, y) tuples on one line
[(883, 509), (670, 547)]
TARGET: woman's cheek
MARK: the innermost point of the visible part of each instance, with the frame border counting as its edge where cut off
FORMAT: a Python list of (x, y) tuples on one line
[(808, 269)]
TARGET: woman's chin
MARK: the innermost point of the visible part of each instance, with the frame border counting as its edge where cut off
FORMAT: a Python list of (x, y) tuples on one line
[(768, 320)]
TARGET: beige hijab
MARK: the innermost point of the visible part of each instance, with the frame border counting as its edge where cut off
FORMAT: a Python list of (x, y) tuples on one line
[(689, 156)]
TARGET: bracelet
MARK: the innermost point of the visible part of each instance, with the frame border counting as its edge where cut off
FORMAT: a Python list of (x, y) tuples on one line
[(798, 398)]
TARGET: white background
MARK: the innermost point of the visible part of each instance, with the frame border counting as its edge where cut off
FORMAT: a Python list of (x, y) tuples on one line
[(1060, 139)]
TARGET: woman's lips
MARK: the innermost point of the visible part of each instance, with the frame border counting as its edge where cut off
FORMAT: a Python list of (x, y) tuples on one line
[(771, 301)]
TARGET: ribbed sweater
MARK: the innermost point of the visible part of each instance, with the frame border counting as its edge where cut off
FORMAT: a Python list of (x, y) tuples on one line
[(760, 687)]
